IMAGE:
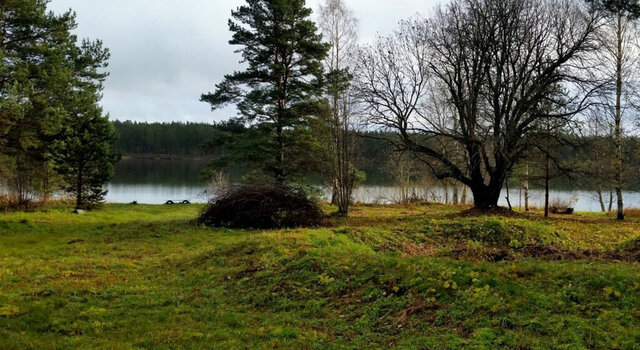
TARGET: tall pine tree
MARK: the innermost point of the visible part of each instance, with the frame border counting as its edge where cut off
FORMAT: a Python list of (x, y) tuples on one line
[(84, 152), (33, 57), (278, 91)]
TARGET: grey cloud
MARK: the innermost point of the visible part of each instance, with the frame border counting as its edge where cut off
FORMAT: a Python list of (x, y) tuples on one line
[(164, 53)]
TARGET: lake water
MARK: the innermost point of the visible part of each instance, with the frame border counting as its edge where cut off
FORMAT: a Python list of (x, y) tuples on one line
[(156, 181)]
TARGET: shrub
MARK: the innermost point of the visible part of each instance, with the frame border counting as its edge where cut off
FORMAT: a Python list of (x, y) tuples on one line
[(562, 206), (632, 212), (261, 207), (13, 203)]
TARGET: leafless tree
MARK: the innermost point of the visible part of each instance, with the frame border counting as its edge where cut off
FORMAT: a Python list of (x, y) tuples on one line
[(500, 62), (391, 79), (620, 58), (598, 157), (339, 27)]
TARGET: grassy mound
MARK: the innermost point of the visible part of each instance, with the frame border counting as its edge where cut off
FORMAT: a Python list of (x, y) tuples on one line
[(510, 232)]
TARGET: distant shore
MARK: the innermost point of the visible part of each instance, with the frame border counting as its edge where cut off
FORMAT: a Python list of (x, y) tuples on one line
[(166, 157)]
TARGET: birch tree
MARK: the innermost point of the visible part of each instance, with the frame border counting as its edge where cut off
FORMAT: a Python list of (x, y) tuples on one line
[(621, 60), (339, 27)]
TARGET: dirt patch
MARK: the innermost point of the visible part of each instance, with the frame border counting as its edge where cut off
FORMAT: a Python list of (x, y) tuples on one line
[(465, 252), (417, 308), (549, 252), (413, 249)]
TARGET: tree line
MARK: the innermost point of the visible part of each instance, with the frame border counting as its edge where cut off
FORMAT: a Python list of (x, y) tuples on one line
[(173, 139), (53, 133), (375, 154), (473, 93)]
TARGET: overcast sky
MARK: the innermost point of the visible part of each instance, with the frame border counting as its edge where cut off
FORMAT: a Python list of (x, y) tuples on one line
[(166, 53)]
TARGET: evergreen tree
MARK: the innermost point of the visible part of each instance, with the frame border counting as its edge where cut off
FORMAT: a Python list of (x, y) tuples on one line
[(33, 74), (279, 90), (85, 157), (84, 152)]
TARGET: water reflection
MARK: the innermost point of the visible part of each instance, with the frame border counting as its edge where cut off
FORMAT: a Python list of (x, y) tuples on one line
[(156, 181)]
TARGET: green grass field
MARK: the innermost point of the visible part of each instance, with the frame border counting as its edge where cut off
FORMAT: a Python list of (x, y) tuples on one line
[(419, 277)]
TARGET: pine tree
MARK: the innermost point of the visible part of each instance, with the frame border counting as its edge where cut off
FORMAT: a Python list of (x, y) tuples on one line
[(84, 152), (278, 91), (33, 48), (85, 157)]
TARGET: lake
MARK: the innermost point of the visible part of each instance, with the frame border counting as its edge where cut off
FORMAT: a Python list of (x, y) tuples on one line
[(154, 181)]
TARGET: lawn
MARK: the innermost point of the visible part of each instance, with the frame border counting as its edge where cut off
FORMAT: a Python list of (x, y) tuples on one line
[(418, 277)]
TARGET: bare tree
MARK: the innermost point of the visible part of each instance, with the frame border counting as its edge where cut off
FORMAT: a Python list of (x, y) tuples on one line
[(391, 80), (621, 60), (598, 155), (339, 27), (496, 60)]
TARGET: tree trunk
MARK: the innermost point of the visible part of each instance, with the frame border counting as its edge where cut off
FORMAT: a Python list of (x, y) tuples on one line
[(526, 189), (618, 121), (456, 200), (445, 188), (79, 185), (485, 197), (508, 199), (601, 200), (547, 169), (279, 171), (334, 194), (46, 190), (610, 201), (463, 198)]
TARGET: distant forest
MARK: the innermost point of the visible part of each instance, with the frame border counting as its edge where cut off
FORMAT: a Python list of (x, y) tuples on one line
[(189, 140), (173, 139)]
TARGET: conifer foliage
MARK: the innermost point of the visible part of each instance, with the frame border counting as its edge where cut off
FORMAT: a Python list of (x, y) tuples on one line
[(279, 90), (84, 152), (50, 86)]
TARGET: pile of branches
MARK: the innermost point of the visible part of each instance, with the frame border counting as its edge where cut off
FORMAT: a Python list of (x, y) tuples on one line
[(261, 207)]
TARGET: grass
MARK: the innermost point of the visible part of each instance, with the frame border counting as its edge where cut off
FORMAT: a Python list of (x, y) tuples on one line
[(387, 277)]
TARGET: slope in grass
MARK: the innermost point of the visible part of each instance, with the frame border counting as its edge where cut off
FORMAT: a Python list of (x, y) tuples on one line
[(146, 277)]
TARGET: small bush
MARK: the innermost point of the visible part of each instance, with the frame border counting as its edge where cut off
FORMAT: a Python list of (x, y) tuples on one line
[(261, 207), (632, 212), (12, 203)]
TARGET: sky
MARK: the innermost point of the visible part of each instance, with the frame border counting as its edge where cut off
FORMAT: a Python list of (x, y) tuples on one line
[(166, 53)]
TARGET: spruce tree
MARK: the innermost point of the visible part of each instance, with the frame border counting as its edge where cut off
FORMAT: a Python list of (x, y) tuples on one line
[(277, 93)]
